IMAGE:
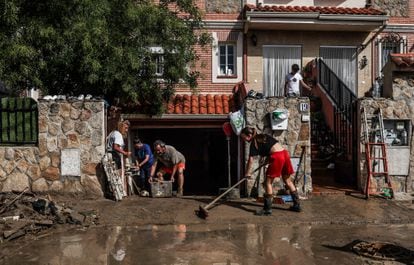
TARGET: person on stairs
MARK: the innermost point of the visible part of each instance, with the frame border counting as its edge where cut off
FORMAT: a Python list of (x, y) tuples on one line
[(279, 165)]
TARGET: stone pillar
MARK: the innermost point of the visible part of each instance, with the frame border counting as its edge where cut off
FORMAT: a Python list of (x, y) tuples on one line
[(257, 113)]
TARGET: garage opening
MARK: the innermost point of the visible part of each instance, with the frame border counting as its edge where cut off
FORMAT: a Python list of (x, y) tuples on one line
[(205, 150)]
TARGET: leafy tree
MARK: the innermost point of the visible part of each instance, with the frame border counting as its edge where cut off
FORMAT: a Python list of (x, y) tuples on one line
[(100, 47)]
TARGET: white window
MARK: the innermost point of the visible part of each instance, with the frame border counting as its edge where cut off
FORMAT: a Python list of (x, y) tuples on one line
[(158, 57), (277, 63), (227, 59), (390, 43), (159, 68), (342, 60)]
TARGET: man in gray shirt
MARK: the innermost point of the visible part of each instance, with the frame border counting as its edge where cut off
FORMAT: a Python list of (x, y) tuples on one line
[(172, 162)]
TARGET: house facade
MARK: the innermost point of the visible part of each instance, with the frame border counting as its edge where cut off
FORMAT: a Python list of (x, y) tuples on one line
[(254, 44), (342, 48), (253, 38)]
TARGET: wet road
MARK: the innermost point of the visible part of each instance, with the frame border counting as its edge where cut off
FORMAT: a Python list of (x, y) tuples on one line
[(215, 245)]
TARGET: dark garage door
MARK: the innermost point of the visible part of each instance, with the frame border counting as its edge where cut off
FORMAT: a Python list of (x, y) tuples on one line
[(205, 150)]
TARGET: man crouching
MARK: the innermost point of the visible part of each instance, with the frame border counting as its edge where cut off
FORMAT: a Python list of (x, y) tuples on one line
[(173, 162)]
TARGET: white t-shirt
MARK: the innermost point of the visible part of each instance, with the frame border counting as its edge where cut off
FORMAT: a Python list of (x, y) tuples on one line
[(293, 82), (115, 137)]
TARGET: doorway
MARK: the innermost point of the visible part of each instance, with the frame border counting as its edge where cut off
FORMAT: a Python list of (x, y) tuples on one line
[(205, 150), (342, 60), (277, 63)]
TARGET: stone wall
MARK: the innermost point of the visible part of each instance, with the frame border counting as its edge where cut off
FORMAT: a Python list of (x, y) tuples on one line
[(394, 8), (223, 7), (403, 86), (391, 110), (66, 160), (297, 133), (397, 104)]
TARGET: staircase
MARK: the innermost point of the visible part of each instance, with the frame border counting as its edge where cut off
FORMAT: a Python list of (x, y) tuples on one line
[(325, 180), (322, 151), (332, 134)]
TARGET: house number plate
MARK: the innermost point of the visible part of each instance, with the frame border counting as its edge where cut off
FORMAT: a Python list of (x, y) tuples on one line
[(303, 107)]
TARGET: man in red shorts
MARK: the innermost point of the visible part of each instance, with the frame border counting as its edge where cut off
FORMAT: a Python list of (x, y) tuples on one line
[(173, 162), (279, 165)]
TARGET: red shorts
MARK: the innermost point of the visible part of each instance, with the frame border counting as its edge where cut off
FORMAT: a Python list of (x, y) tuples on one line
[(279, 165), (169, 170)]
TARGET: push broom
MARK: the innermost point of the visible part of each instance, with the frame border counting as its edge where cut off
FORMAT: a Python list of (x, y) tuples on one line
[(202, 212)]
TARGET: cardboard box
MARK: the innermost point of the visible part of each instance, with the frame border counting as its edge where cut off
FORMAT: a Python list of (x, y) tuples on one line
[(161, 189)]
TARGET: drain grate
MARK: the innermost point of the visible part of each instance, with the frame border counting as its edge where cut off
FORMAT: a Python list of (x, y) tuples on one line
[(382, 251)]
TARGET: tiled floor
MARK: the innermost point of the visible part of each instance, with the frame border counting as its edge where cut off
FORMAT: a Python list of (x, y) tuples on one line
[(330, 187), (323, 183)]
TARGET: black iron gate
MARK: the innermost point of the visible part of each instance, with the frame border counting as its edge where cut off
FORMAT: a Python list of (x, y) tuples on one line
[(18, 121)]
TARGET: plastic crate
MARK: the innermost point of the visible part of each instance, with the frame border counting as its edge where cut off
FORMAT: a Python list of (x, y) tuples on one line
[(161, 189)]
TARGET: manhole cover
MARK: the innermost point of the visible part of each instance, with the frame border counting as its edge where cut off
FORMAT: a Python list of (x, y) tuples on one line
[(382, 251)]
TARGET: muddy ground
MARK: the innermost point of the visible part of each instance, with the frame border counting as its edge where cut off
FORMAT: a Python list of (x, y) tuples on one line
[(138, 211)]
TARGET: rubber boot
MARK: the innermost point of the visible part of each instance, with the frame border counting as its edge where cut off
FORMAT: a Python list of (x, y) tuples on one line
[(180, 192), (267, 205), (296, 205)]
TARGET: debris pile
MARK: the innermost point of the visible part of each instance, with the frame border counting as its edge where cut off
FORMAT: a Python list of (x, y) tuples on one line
[(25, 213), (384, 251)]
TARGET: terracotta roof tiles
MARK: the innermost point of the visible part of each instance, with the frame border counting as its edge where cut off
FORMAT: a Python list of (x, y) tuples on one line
[(319, 9), (403, 59), (200, 104)]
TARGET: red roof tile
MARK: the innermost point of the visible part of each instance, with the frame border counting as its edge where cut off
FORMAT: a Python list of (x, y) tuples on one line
[(200, 104), (320, 9), (403, 59)]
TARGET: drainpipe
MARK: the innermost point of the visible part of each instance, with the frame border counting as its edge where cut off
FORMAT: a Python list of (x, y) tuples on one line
[(244, 77), (372, 64), (245, 37), (381, 29)]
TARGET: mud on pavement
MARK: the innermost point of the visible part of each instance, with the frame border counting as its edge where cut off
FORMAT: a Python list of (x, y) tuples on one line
[(25, 214)]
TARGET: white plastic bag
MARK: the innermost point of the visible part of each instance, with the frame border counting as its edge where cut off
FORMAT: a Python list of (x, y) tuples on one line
[(237, 121)]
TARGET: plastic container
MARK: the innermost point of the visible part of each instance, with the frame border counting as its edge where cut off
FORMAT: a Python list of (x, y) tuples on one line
[(161, 189)]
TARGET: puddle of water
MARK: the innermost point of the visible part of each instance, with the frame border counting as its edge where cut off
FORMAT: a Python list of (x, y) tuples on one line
[(201, 244)]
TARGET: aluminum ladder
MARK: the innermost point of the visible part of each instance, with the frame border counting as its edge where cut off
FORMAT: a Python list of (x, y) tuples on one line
[(376, 153)]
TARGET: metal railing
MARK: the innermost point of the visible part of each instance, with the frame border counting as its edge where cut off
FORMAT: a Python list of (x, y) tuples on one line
[(18, 121), (344, 104), (338, 91)]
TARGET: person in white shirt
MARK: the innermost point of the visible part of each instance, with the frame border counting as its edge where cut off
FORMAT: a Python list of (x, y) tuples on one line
[(116, 146), (293, 81)]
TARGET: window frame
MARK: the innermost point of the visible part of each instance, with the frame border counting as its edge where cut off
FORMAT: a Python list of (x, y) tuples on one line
[(158, 57), (159, 65), (235, 37), (227, 44), (398, 43)]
